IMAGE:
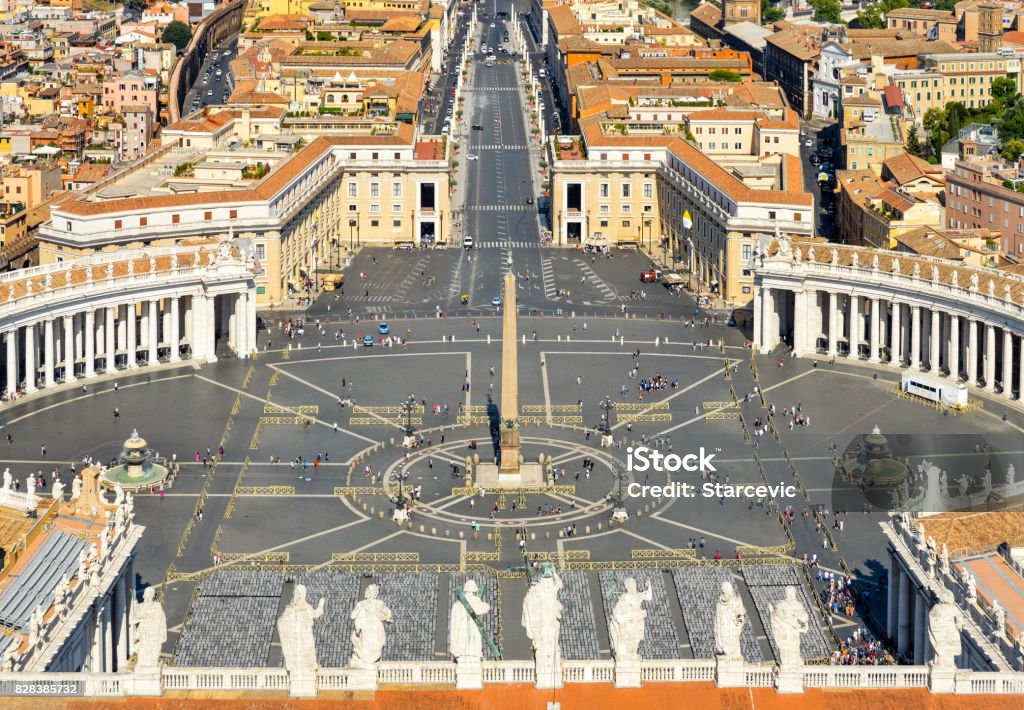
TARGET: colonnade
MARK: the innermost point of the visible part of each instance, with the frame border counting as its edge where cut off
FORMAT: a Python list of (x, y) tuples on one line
[(975, 347), (65, 345)]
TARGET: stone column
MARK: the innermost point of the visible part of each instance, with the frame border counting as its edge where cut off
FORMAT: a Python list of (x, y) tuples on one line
[(250, 319), (855, 326), (211, 329), (174, 330), (230, 313), (892, 622), (69, 348), (875, 327), (48, 353), (801, 328), (122, 327), (920, 621), (757, 318), (896, 339), (120, 626), (954, 346), (833, 322), (108, 638), (1020, 371), (934, 342), (1007, 363), (110, 331), (30, 358), (903, 629), (990, 357), (132, 338), (241, 310), (915, 337), (768, 335), (153, 342), (12, 361), (972, 352), (90, 343)]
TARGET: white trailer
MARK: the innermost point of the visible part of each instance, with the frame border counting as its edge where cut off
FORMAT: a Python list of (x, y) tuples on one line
[(950, 394)]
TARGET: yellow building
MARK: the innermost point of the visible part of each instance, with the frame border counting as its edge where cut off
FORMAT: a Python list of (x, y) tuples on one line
[(890, 214)]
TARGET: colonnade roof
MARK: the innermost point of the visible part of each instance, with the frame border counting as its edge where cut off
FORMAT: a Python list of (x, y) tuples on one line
[(929, 269)]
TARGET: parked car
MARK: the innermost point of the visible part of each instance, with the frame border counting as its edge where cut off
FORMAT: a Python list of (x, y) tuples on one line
[(367, 341), (467, 242), (496, 301), (383, 329)]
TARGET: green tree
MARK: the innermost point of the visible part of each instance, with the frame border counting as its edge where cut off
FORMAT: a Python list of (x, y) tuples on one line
[(829, 11), (1011, 125), (870, 18), (724, 75), (770, 13), (1012, 149), (914, 146), (937, 125), (1004, 90), (178, 34)]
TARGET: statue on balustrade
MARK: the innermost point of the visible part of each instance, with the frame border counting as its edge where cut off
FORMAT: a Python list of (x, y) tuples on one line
[(730, 617), (542, 619), (999, 619), (58, 490), (150, 630), (464, 639), (369, 617), (944, 624), (628, 619), (7, 479), (789, 621), (295, 628)]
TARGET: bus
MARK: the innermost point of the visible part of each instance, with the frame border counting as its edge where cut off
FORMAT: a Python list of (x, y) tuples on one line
[(950, 394), (332, 282)]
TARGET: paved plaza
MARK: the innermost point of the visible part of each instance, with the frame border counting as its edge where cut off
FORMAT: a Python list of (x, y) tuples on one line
[(326, 514)]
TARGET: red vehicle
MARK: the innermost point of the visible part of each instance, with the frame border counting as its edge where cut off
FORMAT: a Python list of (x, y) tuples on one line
[(648, 276)]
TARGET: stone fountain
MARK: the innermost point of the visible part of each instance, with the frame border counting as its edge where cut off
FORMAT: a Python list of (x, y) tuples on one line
[(136, 469)]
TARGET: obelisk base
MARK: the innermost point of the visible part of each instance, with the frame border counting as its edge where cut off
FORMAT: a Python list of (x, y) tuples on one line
[(509, 451), (489, 475)]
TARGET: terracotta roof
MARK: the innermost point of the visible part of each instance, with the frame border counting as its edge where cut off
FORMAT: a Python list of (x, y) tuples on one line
[(210, 123), (915, 13), (563, 19), (795, 44), (429, 150), (928, 241), (865, 48), (91, 172), (707, 13), (904, 168), (893, 96), (970, 533)]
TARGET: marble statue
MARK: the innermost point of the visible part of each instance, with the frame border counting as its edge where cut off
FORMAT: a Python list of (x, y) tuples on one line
[(368, 618), (789, 621), (626, 629), (935, 273), (129, 508), (874, 262), (810, 254), (7, 660), (835, 256), (798, 255), (7, 479), (974, 281), (964, 483), (295, 628), (999, 619), (1011, 474), (58, 490), (917, 270), (944, 559), (991, 287), (855, 259), (225, 251), (118, 493), (943, 484), (944, 624), (730, 616), (970, 587), (35, 626), (1007, 296), (82, 566), (30, 486), (60, 595), (76, 488), (955, 281), (542, 619), (464, 639), (150, 630), (895, 265), (986, 482)]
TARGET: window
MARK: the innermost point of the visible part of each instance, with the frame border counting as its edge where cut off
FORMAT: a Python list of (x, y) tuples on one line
[(746, 251), (737, 146), (771, 215), (353, 208), (117, 224), (233, 214), (625, 223), (396, 223), (604, 223), (396, 189), (175, 219), (207, 216), (374, 190), (143, 221), (648, 191), (375, 207), (396, 207), (626, 208), (375, 156), (797, 217), (352, 190), (261, 251), (374, 223), (604, 209), (625, 189), (604, 189)]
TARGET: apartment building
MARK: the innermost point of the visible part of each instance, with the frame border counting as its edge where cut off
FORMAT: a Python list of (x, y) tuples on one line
[(130, 89), (303, 210), (663, 194), (984, 192), (927, 24)]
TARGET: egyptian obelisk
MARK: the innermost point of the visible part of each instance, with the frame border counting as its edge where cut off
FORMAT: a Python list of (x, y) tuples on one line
[(509, 436)]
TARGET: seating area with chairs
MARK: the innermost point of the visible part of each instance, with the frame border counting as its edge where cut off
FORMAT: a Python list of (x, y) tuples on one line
[(35, 584), (578, 637), (767, 586), (660, 639), (333, 630), (412, 598), (698, 590)]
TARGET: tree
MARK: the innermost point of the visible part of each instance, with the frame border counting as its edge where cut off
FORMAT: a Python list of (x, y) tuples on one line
[(770, 13), (1004, 89), (1012, 150), (178, 34), (870, 18), (829, 11), (937, 125), (914, 146), (724, 75)]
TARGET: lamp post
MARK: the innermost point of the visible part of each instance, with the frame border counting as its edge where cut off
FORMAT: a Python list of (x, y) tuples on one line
[(606, 421), (351, 231), (618, 500), (398, 477), (410, 432)]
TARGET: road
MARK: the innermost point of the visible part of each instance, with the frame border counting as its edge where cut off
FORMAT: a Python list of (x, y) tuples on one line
[(439, 96), (211, 89)]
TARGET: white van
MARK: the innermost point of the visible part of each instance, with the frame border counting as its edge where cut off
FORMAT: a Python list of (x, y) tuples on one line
[(467, 242)]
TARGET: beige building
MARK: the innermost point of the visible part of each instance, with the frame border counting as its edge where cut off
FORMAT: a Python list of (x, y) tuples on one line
[(304, 207)]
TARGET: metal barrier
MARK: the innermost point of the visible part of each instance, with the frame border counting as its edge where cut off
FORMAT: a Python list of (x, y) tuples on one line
[(266, 491), (271, 408), (720, 416), (359, 409), (659, 554), (362, 557), (649, 417), (640, 406)]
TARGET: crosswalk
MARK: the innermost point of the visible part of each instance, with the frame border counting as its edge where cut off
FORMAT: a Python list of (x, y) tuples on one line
[(594, 280), (489, 89), (502, 245), (499, 146), (548, 274), (500, 208)]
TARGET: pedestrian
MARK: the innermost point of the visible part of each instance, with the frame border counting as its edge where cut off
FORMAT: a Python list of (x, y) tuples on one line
[(42, 449), (117, 413)]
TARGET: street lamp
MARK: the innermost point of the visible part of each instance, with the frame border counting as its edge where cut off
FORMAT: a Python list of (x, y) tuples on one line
[(410, 432), (351, 230), (618, 500), (398, 477), (606, 421)]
